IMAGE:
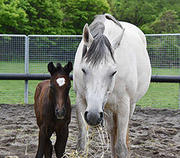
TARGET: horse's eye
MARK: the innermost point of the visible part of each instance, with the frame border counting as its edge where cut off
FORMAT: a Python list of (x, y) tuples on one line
[(83, 71), (113, 73)]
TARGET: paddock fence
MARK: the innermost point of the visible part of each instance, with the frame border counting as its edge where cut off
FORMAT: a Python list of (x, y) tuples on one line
[(25, 58)]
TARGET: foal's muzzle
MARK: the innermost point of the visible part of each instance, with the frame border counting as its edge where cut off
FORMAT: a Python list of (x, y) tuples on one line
[(93, 118), (60, 114)]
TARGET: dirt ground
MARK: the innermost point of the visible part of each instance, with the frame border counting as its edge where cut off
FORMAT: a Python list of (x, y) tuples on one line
[(153, 133)]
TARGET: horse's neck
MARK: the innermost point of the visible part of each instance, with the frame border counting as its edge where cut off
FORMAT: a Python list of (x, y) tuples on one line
[(112, 31), (51, 99)]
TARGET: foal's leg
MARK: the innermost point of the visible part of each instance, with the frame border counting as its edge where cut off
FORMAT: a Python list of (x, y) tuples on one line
[(48, 146), (42, 142), (80, 109), (122, 128), (61, 139)]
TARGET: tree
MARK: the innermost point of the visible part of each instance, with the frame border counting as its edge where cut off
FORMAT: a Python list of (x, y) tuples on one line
[(137, 12), (112, 5), (45, 17), (31, 17), (13, 19), (69, 16), (167, 22), (77, 13)]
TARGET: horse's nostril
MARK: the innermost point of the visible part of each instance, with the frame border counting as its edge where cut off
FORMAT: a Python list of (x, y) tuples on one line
[(64, 111), (85, 115), (101, 115), (60, 113), (56, 110), (93, 118)]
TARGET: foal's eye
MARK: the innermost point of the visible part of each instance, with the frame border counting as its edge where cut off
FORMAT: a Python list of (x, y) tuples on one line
[(83, 71), (113, 73)]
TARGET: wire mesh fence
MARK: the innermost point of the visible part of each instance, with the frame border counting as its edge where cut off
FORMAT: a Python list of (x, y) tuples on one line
[(12, 53), (164, 52), (43, 49)]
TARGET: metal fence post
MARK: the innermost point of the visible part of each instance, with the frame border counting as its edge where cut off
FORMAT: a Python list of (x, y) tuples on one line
[(26, 69), (179, 95)]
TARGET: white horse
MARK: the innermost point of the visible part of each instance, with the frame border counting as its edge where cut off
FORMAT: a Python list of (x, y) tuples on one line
[(111, 73)]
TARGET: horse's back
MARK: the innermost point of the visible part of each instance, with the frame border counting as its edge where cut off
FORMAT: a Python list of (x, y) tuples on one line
[(134, 28)]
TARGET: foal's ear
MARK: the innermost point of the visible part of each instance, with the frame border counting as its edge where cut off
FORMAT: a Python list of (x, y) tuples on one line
[(51, 68), (87, 37), (58, 66), (68, 67)]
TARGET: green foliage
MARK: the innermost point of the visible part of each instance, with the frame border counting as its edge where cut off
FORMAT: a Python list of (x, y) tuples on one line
[(45, 17), (30, 17), (77, 13), (69, 16), (134, 11), (13, 18), (167, 21), (147, 13)]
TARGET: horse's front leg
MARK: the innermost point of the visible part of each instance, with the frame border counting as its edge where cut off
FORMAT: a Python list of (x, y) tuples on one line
[(48, 146), (121, 146), (82, 137), (41, 143), (112, 130), (61, 139)]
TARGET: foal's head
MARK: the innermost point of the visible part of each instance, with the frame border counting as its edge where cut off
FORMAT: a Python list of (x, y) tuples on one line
[(59, 87)]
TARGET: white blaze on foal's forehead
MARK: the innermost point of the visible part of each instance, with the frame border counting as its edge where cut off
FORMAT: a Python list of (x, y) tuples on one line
[(61, 81)]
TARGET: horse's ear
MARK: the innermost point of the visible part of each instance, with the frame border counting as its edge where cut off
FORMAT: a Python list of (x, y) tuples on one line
[(59, 66), (68, 67), (87, 37), (117, 41), (51, 68)]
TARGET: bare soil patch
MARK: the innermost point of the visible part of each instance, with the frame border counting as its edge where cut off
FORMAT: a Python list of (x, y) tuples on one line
[(153, 132)]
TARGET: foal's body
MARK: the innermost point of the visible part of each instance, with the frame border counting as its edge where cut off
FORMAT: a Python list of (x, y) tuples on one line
[(111, 73), (48, 100)]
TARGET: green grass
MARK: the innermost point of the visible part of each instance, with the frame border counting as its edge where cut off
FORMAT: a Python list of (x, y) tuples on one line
[(165, 71), (9, 67), (159, 95), (162, 95), (11, 92)]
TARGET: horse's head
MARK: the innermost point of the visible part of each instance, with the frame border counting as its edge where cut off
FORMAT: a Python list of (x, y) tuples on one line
[(59, 87), (99, 72)]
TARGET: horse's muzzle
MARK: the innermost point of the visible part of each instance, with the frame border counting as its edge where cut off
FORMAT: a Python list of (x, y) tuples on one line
[(60, 114), (93, 118)]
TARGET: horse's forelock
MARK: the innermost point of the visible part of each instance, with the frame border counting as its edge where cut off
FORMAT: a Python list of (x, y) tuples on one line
[(98, 50), (100, 44)]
